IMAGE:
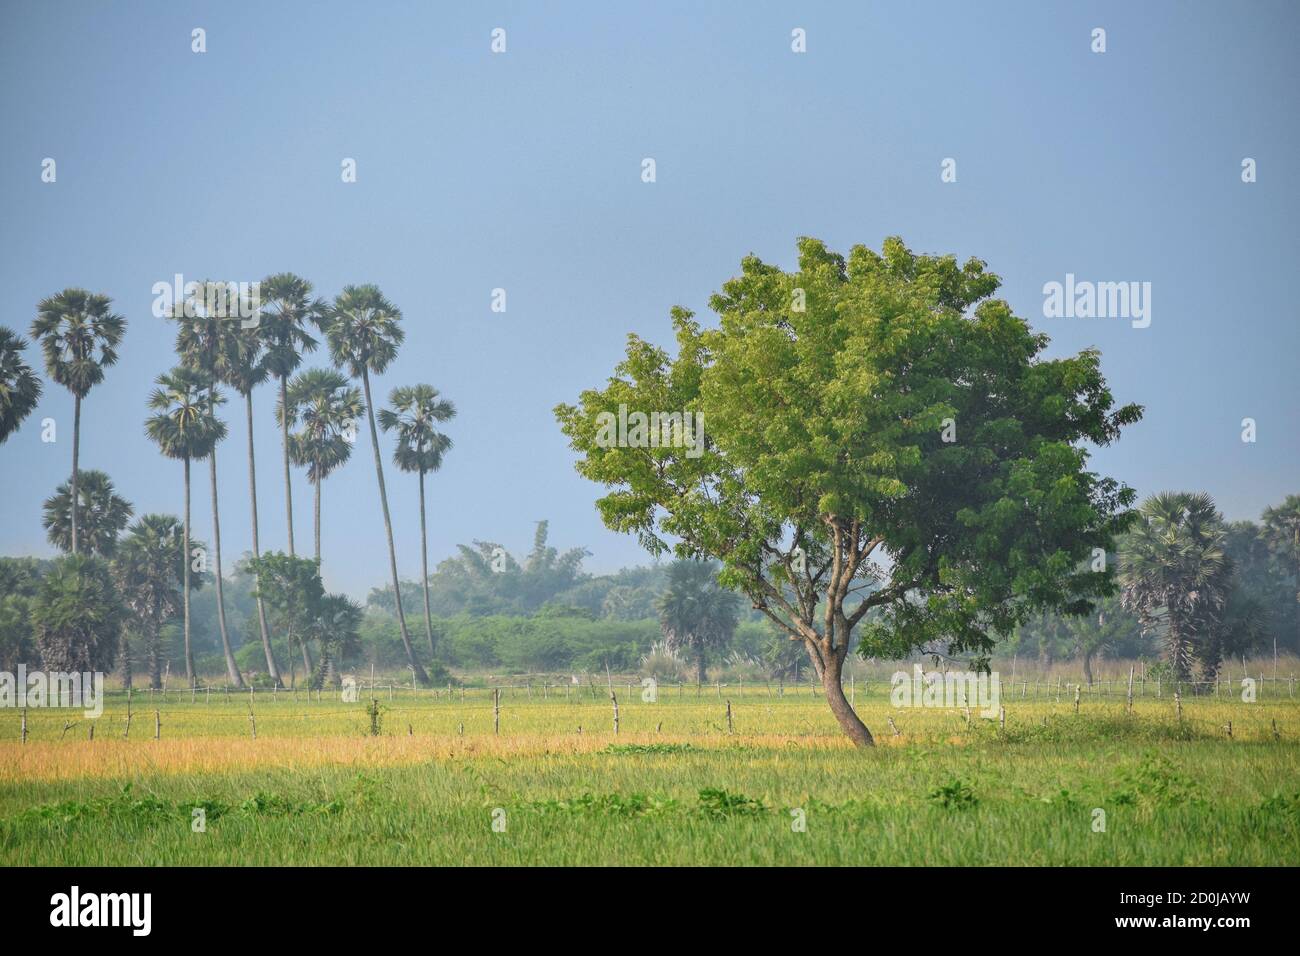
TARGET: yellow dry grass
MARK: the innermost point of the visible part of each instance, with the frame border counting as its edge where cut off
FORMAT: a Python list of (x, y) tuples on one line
[(108, 759)]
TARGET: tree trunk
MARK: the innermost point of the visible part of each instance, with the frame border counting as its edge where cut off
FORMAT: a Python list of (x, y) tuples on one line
[(155, 656), (845, 716), (284, 441), (76, 450), (271, 668), (185, 583), (306, 662), (700, 672), (124, 648), (232, 669), (416, 667), (424, 569), (316, 510)]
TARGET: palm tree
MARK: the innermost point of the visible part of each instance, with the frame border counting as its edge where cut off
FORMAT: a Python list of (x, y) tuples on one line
[(335, 626), (364, 332), (328, 408), (1176, 575), (79, 336), (149, 567), (287, 308), (20, 389), (77, 615), (244, 368), (102, 514), (696, 613), (184, 430), (416, 411), (1282, 532), (203, 344)]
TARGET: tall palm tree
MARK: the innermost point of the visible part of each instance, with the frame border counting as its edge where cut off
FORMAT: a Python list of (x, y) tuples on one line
[(1175, 574), (328, 409), (417, 411), (697, 614), (149, 567), (287, 307), (364, 331), (20, 389), (244, 369), (1282, 532), (203, 344), (183, 429), (102, 514), (79, 335)]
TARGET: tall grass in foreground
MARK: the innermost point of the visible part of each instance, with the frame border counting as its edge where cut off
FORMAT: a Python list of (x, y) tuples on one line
[(316, 787)]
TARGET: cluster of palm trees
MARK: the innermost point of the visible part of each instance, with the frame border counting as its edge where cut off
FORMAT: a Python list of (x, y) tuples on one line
[(1176, 575), (317, 410)]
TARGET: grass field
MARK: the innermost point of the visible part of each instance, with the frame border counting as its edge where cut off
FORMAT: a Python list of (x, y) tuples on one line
[(672, 787)]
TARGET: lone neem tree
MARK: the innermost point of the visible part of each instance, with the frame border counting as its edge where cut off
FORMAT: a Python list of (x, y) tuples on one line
[(884, 444)]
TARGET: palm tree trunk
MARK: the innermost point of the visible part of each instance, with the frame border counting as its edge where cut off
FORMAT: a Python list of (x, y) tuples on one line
[(416, 667), (155, 656), (76, 450), (424, 568), (232, 669), (316, 509), (271, 668), (284, 442), (306, 663), (185, 582), (124, 648)]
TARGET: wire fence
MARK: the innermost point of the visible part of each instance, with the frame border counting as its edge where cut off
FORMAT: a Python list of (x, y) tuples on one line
[(226, 712)]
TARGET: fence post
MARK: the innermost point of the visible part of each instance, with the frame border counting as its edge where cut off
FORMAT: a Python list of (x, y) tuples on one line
[(1076, 698), (614, 700), (92, 731), (157, 726), (729, 729), (1002, 718), (1130, 688), (496, 710), (24, 725), (127, 733), (1178, 707)]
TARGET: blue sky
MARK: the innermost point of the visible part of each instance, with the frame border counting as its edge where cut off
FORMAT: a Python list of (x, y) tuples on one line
[(522, 171)]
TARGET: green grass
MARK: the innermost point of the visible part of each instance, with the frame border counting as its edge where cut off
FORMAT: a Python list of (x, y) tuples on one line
[(1174, 793)]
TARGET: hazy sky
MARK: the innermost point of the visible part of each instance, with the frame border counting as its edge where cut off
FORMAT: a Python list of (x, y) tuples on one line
[(522, 170)]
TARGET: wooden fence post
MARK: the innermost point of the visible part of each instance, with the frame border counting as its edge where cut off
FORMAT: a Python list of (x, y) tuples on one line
[(24, 725), (614, 700), (157, 726), (496, 710), (1076, 698), (1130, 688), (729, 728), (1178, 706)]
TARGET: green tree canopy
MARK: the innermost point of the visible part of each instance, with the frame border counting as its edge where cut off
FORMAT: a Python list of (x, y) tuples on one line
[(879, 436), (101, 514)]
